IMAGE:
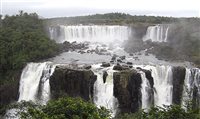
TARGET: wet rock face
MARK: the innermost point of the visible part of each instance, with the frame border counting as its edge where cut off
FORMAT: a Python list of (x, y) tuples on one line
[(148, 76), (114, 57), (72, 82), (105, 74), (87, 67), (127, 85), (178, 82), (121, 67), (67, 46), (105, 64)]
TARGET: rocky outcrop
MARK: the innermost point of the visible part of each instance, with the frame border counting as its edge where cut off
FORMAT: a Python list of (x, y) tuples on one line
[(148, 76), (105, 74), (120, 67), (127, 85), (72, 82), (178, 81), (105, 64), (67, 46)]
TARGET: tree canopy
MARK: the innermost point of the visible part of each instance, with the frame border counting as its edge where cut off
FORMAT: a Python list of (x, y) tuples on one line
[(23, 39), (62, 108)]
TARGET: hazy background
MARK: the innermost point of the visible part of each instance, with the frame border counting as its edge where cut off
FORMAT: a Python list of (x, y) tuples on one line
[(60, 8)]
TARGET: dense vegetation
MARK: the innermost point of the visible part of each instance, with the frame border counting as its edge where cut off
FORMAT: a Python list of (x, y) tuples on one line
[(110, 18), (169, 112), (63, 108), (22, 40), (76, 108)]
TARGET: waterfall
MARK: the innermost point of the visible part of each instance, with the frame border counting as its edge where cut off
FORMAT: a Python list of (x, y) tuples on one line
[(34, 85), (146, 92), (192, 81), (34, 82), (158, 33), (163, 87), (91, 33), (103, 92)]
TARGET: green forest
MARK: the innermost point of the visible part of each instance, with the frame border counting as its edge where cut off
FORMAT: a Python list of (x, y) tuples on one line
[(110, 18), (76, 108), (22, 39)]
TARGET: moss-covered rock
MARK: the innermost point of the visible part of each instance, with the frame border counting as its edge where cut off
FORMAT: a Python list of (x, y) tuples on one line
[(72, 82), (127, 85), (178, 81)]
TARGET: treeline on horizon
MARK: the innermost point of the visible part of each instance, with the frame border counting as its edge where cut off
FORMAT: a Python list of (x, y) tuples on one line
[(114, 18)]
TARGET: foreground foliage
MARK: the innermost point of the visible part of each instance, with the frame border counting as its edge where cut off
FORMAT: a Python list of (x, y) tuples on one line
[(168, 112), (76, 108), (63, 108)]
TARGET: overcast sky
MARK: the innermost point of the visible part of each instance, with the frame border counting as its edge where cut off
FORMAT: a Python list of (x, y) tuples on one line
[(61, 8)]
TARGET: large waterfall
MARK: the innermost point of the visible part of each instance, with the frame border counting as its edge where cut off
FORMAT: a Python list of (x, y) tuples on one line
[(91, 33), (162, 78), (34, 85), (103, 92), (34, 82), (163, 85), (157, 33)]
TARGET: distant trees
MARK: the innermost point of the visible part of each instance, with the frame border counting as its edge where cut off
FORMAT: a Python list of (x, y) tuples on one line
[(110, 18)]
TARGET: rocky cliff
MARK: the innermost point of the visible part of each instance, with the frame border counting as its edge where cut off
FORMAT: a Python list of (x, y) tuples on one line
[(178, 81), (72, 82), (127, 86)]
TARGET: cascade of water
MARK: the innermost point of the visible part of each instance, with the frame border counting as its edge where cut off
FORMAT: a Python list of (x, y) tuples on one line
[(93, 33), (157, 33), (103, 92), (187, 89), (166, 34), (34, 85), (34, 82), (192, 80), (163, 86), (145, 90)]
